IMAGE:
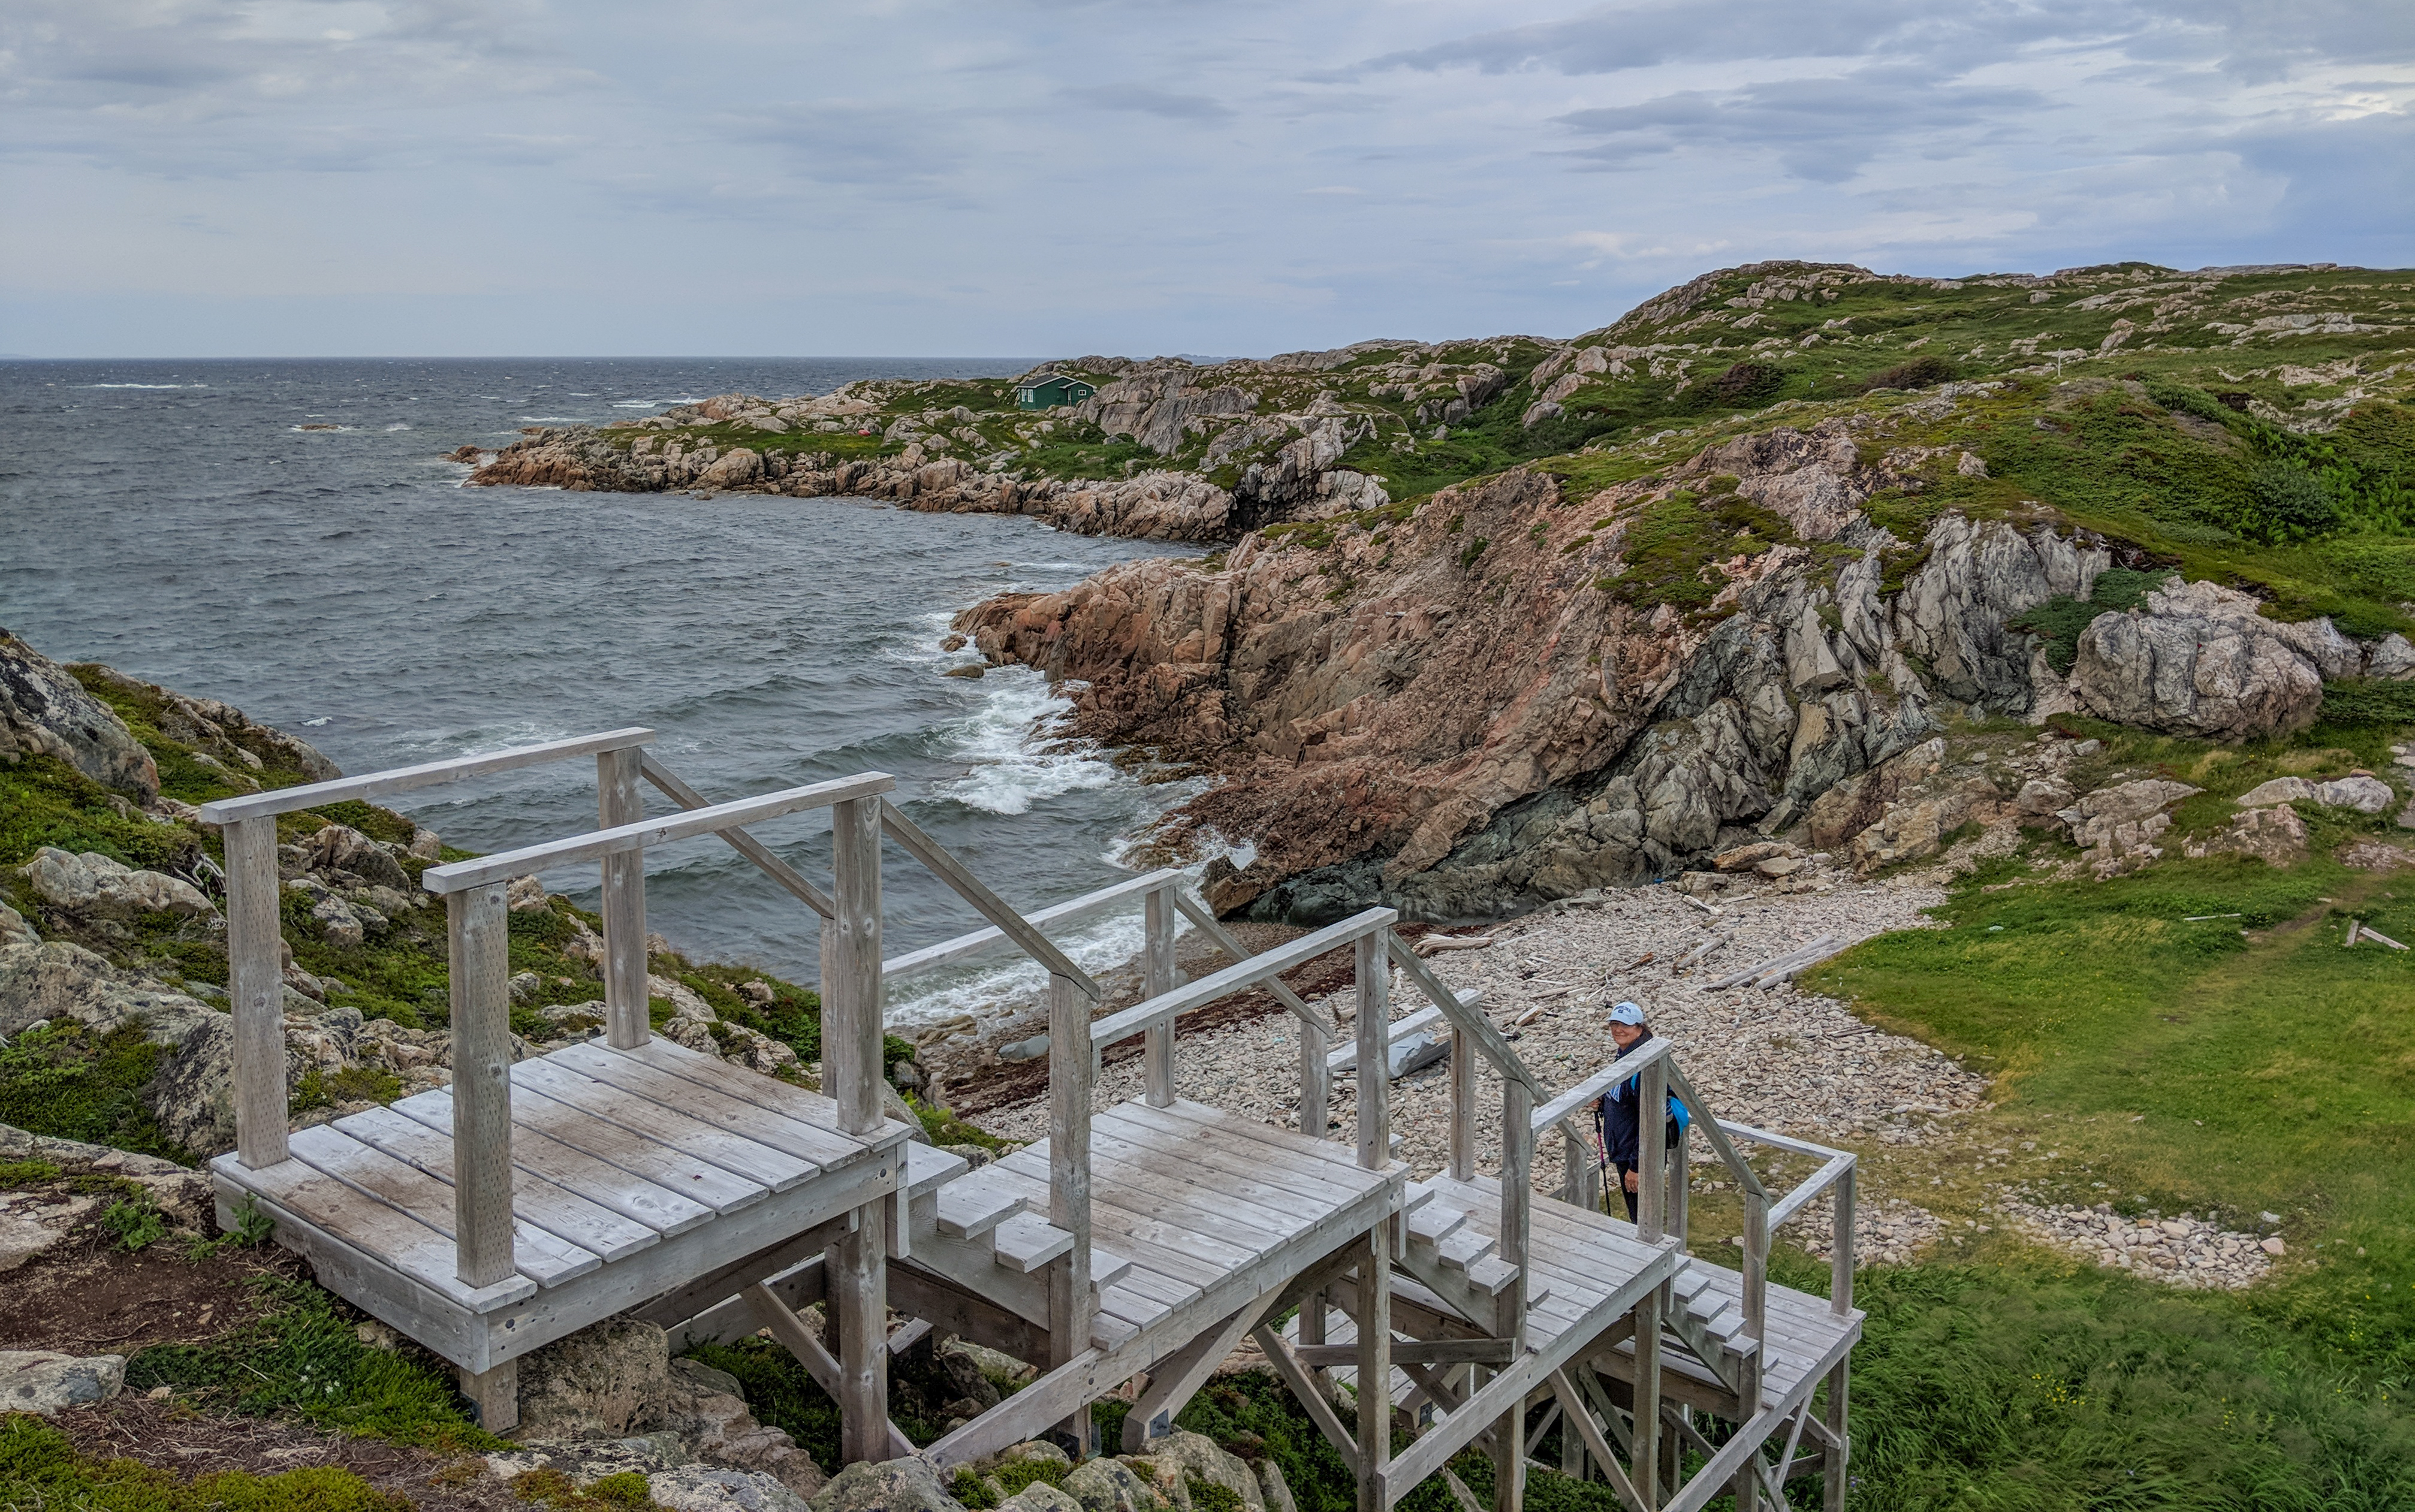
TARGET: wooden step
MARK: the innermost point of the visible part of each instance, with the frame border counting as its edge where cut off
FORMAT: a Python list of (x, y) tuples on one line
[(1106, 1266), (1431, 1224), (1492, 1275), (1462, 1247), (1687, 1283), (928, 1168), (968, 1209), (1026, 1243)]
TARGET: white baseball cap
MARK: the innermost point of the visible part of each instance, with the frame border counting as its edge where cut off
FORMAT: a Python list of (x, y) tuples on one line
[(1626, 1013)]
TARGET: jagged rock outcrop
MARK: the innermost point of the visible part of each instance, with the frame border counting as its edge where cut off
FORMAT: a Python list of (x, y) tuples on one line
[(45, 712)]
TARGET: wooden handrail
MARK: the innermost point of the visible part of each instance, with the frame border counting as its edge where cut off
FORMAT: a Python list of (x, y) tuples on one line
[(403, 779), (941, 864), (1601, 1081), (745, 844), (1248, 973), (962, 945), (459, 875), (1479, 1028), (1795, 1202), (1207, 924)]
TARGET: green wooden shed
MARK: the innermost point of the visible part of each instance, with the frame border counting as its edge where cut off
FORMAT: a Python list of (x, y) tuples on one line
[(1049, 390)]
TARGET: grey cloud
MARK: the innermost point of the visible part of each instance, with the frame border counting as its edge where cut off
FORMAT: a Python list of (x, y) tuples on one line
[(1148, 102), (1822, 129)]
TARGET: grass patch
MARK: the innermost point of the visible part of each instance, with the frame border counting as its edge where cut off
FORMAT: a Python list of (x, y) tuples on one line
[(2060, 620), (39, 1467), (1670, 546), (300, 1359), (65, 1082)]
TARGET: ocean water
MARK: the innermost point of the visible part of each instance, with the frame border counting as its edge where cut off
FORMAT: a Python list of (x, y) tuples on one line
[(173, 520)]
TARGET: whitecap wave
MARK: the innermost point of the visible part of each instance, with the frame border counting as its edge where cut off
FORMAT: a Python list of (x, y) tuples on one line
[(554, 419), (399, 424), (1015, 762), (141, 385)]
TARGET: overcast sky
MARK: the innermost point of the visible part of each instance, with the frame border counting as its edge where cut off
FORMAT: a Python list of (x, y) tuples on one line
[(994, 177)]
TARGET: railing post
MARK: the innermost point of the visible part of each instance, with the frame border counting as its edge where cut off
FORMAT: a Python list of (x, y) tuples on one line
[(1517, 1203), (256, 984), (1838, 1456), (1681, 1185), (1374, 969), (1374, 1354), (478, 930), (1840, 1251), (851, 968), (1462, 1104), (1159, 961), (1071, 1303), (1316, 1082), (619, 800), (856, 1262), (1756, 1277), (1651, 1151)]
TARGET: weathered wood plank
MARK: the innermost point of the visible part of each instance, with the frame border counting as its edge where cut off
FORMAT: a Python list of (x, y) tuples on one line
[(1071, 1299), (758, 1164), (981, 940), (710, 1105), (851, 986), (377, 1235), (599, 1181), (540, 1256), (535, 1199), (767, 1092), (403, 779), (1158, 924), (597, 845), (1309, 1015), (1571, 1102), (1375, 1013), (1312, 1169), (1181, 1374), (538, 1120), (1487, 1035), (799, 1340)]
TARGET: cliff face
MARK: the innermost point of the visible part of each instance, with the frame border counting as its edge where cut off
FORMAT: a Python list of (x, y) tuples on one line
[(1527, 686)]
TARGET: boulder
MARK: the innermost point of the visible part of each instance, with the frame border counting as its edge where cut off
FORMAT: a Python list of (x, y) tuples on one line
[(1040, 1497), (45, 712), (1273, 1489), (44, 1382), (2366, 795), (600, 1382), (14, 930), (338, 847), (2197, 660), (2117, 827), (908, 1485), (2278, 790), (92, 886), (525, 895), (708, 1489), (1111, 1486), (1182, 1453)]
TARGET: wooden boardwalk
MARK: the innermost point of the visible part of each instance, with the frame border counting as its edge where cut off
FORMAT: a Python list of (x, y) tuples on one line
[(1134, 1248)]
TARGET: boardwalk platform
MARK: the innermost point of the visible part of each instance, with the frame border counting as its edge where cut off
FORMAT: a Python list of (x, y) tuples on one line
[(631, 1171)]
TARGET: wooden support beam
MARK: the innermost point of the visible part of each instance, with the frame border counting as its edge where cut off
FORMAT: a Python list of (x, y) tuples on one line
[(619, 803), (987, 903), (1487, 1035), (1573, 1412), (1158, 923), (678, 792), (1645, 1394), (256, 985), (478, 942), (799, 1340), (1374, 1316), (1319, 1411), (494, 1395), (1174, 1380), (855, 1300), (1836, 1454), (1462, 1106), (1207, 924), (1264, 967), (1413, 1351)]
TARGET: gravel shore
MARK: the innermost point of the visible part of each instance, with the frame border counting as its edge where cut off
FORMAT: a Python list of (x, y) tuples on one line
[(1778, 1058)]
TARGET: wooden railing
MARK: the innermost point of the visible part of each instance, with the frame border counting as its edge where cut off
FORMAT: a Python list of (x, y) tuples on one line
[(255, 961)]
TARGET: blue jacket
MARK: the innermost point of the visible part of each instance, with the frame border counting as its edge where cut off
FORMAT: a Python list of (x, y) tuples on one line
[(1617, 1113)]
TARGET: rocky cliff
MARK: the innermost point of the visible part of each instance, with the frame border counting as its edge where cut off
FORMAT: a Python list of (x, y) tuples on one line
[(1607, 669)]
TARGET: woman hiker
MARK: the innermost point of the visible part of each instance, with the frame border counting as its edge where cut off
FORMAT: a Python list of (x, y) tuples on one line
[(1616, 1114)]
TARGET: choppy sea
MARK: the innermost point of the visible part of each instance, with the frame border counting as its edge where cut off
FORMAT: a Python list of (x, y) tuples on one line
[(175, 521)]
